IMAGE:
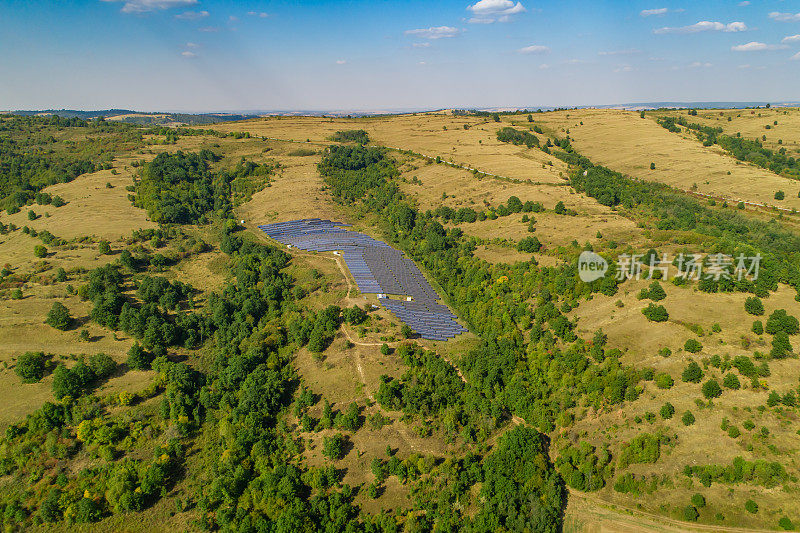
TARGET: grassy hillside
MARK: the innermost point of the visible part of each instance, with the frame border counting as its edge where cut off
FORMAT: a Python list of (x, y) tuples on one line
[(241, 390)]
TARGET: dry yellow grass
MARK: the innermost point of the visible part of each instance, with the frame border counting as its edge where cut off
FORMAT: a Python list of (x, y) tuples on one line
[(624, 142)]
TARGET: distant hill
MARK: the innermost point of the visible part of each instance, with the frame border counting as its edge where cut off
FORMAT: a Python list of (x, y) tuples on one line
[(143, 118)]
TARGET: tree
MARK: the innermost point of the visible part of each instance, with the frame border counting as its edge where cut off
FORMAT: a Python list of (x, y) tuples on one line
[(139, 358), (59, 317), (698, 500), (754, 306), (656, 292), (690, 513), (780, 345), (687, 418), (385, 349), (65, 382), (104, 247), (529, 245), (102, 365), (652, 166), (692, 373), (333, 447), (30, 366), (731, 381), (663, 380), (655, 313), (758, 327), (40, 251), (751, 506), (711, 389), (779, 195), (560, 208), (692, 346), (667, 410)]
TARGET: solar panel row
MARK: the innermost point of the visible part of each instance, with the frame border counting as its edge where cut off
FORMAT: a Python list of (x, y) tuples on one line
[(377, 269)]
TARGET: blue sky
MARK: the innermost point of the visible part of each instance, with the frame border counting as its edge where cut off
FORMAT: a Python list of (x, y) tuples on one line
[(204, 55)]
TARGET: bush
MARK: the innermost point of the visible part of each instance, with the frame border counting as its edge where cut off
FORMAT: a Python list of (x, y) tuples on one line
[(655, 313), (779, 195), (698, 500), (781, 346), (59, 317), (102, 365), (754, 306), (333, 447), (690, 513), (782, 321), (692, 346), (30, 366), (664, 380), (139, 358), (758, 327), (785, 523), (40, 251), (711, 389), (385, 350), (692, 373), (529, 245), (560, 208), (687, 418), (731, 381), (104, 247), (667, 410), (751, 506)]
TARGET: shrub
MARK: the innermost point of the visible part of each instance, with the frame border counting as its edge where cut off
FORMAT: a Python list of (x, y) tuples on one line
[(385, 349), (785, 523), (690, 513), (104, 247), (40, 251), (59, 317), (139, 358), (711, 389), (782, 321), (333, 447), (102, 365), (560, 208), (754, 306), (751, 506), (779, 195), (667, 410), (781, 346), (664, 380), (30, 366), (758, 327), (529, 245), (731, 381), (644, 448), (655, 313), (692, 346), (692, 373), (687, 418), (698, 500), (656, 292)]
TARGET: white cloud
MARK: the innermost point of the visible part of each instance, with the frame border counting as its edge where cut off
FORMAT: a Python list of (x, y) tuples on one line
[(259, 14), (192, 15), (743, 67), (791, 39), (145, 6), (534, 49), (624, 68), (618, 52), (192, 45), (341, 62), (651, 12), (544, 66), (208, 29), (574, 62), (421, 45), (795, 57), (744, 4), (187, 53), (755, 46), (233, 18), (785, 17), (700, 64), (490, 11), (434, 32), (704, 25)]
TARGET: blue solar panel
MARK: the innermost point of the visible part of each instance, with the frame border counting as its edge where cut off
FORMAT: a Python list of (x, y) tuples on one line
[(377, 268)]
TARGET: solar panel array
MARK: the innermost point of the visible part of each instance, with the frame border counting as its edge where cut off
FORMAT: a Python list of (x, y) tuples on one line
[(377, 269)]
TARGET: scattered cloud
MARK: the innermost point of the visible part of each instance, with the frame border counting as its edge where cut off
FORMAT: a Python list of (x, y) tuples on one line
[(795, 57), (233, 18), (187, 53), (145, 6), (421, 45), (341, 62), (544, 66), (755, 46), (259, 14), (618, 52), (704, 25), (192, 15), (434, 32), (785, 17), (624, 68), (192, 45), (491, 11), (744, 4), (791, 39), (208, 29), (534, 49), (654, 12), (743, 67), (700, 64)]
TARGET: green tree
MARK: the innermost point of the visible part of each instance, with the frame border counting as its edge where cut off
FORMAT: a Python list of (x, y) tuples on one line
[(59, 317), (711, 389), (560, 208), (698, 500), (754, 306), (139, 358), (751, 506), (692, 346), (40, 251), (687, 418), (30, 366), (692, 373), (333, 447), (104, 247), (667, 410), (655, 313), (731, 381), (781, 346), (656, 292)]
